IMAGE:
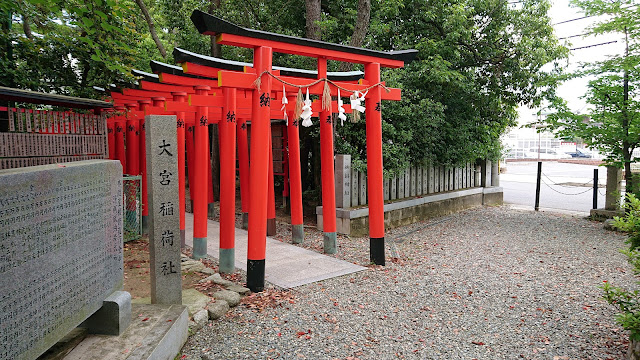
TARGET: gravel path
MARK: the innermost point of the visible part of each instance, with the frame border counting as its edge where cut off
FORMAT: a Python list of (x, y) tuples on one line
[(488, 283)]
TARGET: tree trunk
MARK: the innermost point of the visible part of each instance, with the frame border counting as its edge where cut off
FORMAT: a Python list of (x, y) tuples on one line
[(26, 26), (152, 28), (313, 13), (216, 49), (627, 150), (359, 31)]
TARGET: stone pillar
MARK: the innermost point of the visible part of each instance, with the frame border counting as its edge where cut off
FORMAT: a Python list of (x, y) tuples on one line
[(343, 181), (164, 212), (495, 173), (485, 173), (614, 187)]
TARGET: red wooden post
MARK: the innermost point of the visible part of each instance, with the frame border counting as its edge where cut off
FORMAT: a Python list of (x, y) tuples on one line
[(210, 200), (143, 166), (200, 178), (133, 141), (328, 178), (111, 137), (271, 199), (120, 130), (227, 140), (297, 228), (181, 97), (374, 165), (243, 160), (189, 135), (285, 166), (259, 171)]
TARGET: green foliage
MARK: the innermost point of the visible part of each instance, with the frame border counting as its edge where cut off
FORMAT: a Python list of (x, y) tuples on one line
[(612, 124), (72, 45), (627, 301), (478, 60), (630, 223)]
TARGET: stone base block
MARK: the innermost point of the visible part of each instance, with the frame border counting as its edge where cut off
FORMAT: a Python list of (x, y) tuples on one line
[(113, 317), (245, 221), (492, 196), (297, 233), (271, 227), (329, 242), (156, 332), (145, 225), (227, 260), (604, 214)]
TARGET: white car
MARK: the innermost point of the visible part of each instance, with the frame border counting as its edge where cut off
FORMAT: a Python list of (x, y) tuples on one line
[(547, 154)]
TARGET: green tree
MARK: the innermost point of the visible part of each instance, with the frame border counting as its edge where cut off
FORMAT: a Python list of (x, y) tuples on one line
[(612, 124), (67, 46), (478, 60)]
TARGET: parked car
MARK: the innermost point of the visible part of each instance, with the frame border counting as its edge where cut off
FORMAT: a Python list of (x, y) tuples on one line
[(579, 154), (547, 154)]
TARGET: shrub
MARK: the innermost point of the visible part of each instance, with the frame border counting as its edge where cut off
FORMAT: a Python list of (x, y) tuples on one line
[(628, 302)]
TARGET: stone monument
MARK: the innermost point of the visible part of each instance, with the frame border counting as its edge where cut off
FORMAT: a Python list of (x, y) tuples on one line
[(164, 209), (60, 254), (343, 181)]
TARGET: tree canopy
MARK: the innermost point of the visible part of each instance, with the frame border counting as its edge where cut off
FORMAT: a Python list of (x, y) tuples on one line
[(612, 122), (478, 59)]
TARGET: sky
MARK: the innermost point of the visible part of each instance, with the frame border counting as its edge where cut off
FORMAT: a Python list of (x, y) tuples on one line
[(572, 90)]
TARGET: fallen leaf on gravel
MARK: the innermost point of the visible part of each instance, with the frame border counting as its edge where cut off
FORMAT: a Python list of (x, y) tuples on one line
[(477, 343)]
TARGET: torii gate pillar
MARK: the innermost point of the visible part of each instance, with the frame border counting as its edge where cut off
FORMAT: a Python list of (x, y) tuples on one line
[(374, 165), (200, 178), (180, 126), (259, 171), (328, 178), (227, 140)]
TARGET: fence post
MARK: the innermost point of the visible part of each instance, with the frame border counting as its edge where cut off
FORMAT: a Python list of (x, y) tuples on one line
[(595, 188), (537, 205)]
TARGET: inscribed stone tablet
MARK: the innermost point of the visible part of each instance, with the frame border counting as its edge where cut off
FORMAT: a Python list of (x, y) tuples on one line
[(355, 180), (60, 250), (343, 181), (412, 181), (393, 191), (363, 188), (164, 209)]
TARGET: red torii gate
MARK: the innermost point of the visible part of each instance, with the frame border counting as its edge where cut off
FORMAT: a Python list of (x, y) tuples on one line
[(229, 170), (263, 45), (227, 206)]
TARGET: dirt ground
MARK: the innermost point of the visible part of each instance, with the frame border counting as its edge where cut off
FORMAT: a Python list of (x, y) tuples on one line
[(136, 272)]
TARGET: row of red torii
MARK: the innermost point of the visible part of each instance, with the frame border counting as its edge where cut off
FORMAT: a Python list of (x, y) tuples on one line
[(207, 90)]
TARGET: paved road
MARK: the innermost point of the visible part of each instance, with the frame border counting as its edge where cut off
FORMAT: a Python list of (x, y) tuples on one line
[(519, 183)]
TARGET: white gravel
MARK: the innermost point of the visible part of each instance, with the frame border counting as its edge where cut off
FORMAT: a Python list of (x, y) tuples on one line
[(489, 283)]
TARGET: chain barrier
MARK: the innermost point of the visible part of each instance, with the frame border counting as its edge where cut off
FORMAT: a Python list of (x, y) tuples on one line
[(560, 192), (567, 186)]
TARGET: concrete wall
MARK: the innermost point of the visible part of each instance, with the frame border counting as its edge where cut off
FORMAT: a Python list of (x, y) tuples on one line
[(355, 222)]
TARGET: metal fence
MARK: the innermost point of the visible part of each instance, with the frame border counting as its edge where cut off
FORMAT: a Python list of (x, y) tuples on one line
[(132, 202)]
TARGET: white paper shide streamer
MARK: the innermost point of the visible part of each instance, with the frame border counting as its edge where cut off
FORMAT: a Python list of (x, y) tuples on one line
[(306, 111), (356, 101), (285, 101), (341, 110)]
